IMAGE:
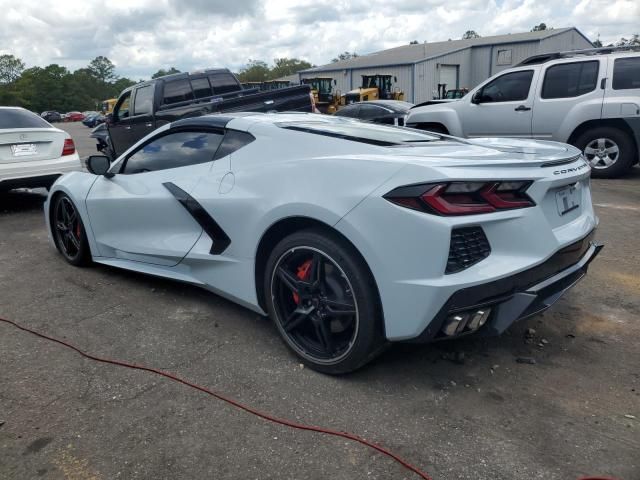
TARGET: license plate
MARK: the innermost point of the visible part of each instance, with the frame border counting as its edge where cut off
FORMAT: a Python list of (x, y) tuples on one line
[(567, 199), (24, 149)]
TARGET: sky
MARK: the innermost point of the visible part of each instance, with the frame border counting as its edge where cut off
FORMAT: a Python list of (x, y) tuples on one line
[(142, 36)]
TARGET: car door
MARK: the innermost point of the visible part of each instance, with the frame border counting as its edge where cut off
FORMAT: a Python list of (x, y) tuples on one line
[(567, 93), (501, 107), (623, 89), (141, 212), (141, 121), (120, 124)]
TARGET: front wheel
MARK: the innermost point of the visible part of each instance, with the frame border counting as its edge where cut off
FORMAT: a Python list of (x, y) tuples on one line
[(609, 151), (68, 231), (323, 301)]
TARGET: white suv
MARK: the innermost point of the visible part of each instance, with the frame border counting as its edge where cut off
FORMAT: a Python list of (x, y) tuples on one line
[(588, 98)]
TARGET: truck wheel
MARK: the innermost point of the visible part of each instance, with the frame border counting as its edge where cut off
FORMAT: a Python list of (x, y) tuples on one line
[(609, 151)]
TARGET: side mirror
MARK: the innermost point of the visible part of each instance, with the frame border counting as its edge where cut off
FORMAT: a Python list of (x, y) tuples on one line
[(477, 97), (98, 164), (335, 82)]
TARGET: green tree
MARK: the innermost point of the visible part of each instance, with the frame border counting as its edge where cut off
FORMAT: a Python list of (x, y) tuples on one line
[(469, 34), (539, 28), (162, 72), (632, 41), (344, 56), (255, 71), (103, 69), (288, 66), (118, 86), (413, 42), (10, 68)]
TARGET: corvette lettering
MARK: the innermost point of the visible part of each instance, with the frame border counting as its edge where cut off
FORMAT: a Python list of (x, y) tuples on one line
[(569, 170)]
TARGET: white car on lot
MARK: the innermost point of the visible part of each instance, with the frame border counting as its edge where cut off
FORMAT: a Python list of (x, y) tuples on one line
[(32, 152), (348, 234), (590, 99)]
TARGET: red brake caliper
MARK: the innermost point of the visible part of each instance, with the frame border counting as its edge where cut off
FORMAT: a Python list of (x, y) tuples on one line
[(303, 274)]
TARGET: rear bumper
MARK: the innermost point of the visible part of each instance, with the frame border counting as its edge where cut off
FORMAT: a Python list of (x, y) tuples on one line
[(521, 295), (39, 173)]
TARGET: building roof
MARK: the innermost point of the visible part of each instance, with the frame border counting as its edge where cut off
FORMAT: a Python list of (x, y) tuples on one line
[(289, 78), (407, 54)]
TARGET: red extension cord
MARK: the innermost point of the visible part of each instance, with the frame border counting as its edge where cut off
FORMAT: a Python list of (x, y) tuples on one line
[(235, 403), (246, 408)]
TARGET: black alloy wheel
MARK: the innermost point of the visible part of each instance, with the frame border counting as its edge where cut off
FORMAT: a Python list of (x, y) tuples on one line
[(69, 234), (323, 302)]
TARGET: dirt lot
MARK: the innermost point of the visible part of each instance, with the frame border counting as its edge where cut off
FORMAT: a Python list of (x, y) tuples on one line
[(484, 416)]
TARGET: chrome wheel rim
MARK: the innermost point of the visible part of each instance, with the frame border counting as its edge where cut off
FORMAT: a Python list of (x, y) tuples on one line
[(315, 306), (67, 227), (601, 153)]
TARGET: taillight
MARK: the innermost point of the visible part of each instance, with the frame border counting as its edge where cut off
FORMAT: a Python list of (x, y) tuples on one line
[(69, 147), (463, 198)]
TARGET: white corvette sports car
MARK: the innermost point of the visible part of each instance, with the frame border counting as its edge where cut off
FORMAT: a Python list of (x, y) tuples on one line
[(348, 235)]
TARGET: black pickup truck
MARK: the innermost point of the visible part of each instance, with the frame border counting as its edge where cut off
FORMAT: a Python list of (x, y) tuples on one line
[(148, 105)]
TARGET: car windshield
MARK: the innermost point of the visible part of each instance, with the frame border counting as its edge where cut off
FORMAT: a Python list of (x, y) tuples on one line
[(19, 118), (376, 134)]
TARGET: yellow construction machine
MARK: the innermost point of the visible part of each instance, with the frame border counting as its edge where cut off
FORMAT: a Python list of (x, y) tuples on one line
[(374, 87), (325, 98)]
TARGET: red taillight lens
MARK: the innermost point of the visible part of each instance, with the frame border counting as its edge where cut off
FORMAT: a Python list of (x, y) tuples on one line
[(69, 147), (463, 198)]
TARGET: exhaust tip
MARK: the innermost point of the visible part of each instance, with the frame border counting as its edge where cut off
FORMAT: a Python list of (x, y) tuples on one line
[(467, 321)]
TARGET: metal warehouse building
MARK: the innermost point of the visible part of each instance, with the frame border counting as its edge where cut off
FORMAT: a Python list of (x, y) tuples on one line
[(421, 67)]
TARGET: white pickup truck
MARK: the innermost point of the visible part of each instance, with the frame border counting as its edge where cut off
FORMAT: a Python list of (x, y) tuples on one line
[(588, 98)]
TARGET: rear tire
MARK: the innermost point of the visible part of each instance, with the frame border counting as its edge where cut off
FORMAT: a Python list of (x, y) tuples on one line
[(324, 302), (609, 151), (68, 230)]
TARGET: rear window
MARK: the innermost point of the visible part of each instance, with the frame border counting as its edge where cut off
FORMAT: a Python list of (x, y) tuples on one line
[(223, 83), (356, 131), (626, 73), (20, 118), (201, 88), (177, 91), (570, 79)]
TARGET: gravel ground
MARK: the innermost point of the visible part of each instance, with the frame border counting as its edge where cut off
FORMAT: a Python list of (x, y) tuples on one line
[(460, 410)]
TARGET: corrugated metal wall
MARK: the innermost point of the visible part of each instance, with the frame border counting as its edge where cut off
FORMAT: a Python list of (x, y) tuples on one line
[(427, 74), (518, 52), (570, 40)]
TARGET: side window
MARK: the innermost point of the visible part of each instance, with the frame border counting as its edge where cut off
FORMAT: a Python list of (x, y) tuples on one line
[(626, 73), (570, 79), (509, 87), (143, 100), (121, 110), (201, 87), (177, 91), (223, 83), (233, 140), (179, 149)]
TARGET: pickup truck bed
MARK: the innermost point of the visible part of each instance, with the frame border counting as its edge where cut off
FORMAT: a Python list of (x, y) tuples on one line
[(148, 105)]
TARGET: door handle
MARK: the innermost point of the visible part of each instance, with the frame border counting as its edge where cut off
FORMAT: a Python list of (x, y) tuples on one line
[(127, 127), (148, 124), (522, 108)]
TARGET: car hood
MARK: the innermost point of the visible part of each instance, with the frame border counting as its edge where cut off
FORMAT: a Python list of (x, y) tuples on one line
[(490, 151)]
